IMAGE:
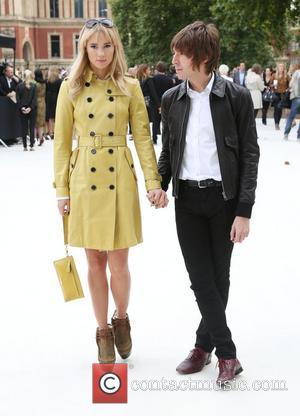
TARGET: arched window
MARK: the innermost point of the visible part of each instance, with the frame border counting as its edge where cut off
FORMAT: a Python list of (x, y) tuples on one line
[(102, 8), (78, 4)]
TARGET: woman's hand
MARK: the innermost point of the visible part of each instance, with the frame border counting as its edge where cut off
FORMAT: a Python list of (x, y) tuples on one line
[(158, 198), (63, 206)]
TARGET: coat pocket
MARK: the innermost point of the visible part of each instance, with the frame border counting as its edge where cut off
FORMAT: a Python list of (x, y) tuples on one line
[(129, 159), (73, 160)]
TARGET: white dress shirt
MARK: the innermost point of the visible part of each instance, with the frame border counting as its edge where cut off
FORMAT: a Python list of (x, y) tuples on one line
[(200, 158)]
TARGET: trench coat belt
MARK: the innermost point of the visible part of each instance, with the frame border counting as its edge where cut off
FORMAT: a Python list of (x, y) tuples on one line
[(101, 141)]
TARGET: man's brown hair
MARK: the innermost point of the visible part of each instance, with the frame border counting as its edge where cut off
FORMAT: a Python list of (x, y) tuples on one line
[(201, 42)]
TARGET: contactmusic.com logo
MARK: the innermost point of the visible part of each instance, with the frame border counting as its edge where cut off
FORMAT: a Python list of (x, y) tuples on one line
[(110, 383)]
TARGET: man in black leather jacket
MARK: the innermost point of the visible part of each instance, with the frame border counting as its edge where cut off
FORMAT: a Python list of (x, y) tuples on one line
[(211, 153)]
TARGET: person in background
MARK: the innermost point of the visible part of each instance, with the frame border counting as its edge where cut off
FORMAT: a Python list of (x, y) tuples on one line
[(239, 76), (224, 71), (161, 83), (148, 89), (8, 82), (41, 105), (295, 99), (27, 103), (268, 79), (52, 89), (281, 85), (255, 85), (172, 74)]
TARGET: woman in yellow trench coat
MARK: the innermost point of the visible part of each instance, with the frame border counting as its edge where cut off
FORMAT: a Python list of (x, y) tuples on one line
[(96, 183)]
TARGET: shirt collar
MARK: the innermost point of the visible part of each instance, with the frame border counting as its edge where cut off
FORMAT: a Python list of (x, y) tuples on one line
[(207, 89)]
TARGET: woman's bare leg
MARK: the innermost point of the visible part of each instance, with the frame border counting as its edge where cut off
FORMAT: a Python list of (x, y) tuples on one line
[(120, 279), (97, 279)]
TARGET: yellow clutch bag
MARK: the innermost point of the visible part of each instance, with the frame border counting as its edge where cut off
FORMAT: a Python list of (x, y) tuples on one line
[(67, 273)]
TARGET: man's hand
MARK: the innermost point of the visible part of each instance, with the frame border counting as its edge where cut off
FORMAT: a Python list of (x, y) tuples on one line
[(240, 229), (63, 206), (158, 198)]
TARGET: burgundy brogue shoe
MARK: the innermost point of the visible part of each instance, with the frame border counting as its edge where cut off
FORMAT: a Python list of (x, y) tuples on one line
[(194, 362), (228, 369)]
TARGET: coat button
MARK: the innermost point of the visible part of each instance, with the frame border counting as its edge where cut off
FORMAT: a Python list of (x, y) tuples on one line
[(72, 165), (89, 99), (111, 169), (87, 84), (93, 151), (111, 187), (93, 187), (92, 133), (91, 115), (93, 169), (111, 133), (110, 115), (110, 151), (109, 91), (132, 165), (111, 98)]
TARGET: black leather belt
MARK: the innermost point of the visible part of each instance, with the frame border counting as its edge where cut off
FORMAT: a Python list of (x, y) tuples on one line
[(206, 183)]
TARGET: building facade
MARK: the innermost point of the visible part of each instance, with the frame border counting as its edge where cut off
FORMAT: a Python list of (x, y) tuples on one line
[(46, 31)]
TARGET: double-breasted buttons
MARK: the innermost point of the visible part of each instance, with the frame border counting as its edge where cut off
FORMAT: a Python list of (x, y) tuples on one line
[(111, 98), (93, 187), (111, 133), (92, 134), (111, 187), (93, 169), (89, 99), (72, 165), (111, 169), (110, 151), (93, 151), (87, 84), (91, 115), (110, 115), (132, 165), (109, 91)]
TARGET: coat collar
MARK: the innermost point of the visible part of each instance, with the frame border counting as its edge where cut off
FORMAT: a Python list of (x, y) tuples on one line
[(218, 87), (110, 87)]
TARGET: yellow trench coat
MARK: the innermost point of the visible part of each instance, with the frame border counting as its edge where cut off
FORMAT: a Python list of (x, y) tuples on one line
[(99, 174)]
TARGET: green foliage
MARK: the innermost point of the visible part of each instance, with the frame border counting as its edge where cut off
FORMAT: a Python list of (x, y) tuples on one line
[(252, 31)]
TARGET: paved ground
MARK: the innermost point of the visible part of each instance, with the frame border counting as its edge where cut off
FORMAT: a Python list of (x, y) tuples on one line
[(47, 346)]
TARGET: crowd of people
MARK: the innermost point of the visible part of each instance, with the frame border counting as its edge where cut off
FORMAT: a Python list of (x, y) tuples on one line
[(36, 99), (36, 96)]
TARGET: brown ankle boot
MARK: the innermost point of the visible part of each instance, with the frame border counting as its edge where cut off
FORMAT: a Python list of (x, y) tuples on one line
[(122, 335), (106, 345)]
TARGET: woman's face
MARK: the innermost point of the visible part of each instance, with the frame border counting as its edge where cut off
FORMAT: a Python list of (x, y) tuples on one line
[(268, 72), (280, 68), (100, 52)]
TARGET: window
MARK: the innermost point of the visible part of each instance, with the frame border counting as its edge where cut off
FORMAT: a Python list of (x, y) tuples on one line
[(102, 8), (76, 39), (55, 46), (78, 4), (54, 8)]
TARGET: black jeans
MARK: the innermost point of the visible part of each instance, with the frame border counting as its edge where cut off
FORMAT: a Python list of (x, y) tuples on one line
[(277, 109), (28, 125), (156, 124), (266, 105), (204, 222)]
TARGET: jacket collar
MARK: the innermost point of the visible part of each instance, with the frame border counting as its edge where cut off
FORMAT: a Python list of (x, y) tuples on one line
[(218, 87), (110, 87)]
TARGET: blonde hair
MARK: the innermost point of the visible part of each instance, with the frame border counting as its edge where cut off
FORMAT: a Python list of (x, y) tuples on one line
[(28, 78), (53, 74), (142, 72), (118, 66)]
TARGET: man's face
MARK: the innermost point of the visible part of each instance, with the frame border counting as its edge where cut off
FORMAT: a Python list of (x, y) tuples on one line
[(242, 67), (9, 72), (183, 65)]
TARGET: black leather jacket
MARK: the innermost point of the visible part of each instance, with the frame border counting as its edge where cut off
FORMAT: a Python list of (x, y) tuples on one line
[(236, 140)]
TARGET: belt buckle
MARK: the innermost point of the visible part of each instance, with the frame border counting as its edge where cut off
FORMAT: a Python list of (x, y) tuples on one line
[(98, 141), (201, 187)]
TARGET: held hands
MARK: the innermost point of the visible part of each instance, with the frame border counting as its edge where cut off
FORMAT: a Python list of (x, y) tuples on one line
[(63, 206), (239, 230), (158, 198)]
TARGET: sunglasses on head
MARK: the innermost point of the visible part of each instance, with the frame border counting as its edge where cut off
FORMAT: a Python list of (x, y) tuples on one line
[(104, 22)]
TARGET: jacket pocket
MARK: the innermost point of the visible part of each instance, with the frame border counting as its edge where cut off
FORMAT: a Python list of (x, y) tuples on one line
[(128, 157), (73, 160)]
